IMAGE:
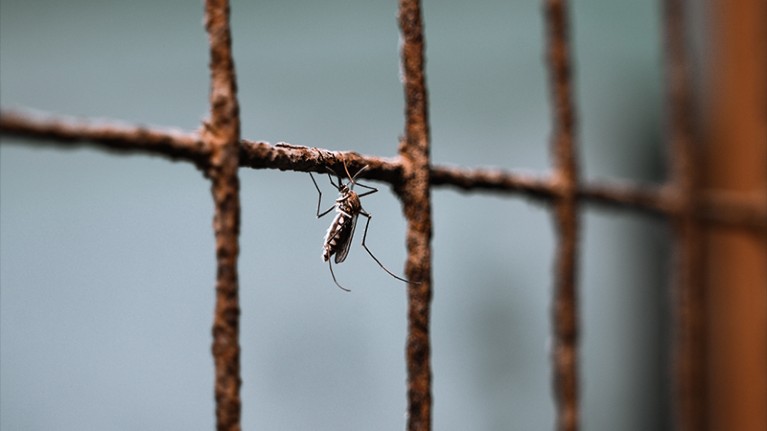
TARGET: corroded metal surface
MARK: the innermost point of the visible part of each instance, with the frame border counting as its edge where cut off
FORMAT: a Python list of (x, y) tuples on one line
[(222, 136), (416, 201), (565, 302)]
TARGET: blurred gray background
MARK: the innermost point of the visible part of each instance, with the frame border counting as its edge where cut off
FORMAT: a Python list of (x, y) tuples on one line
[(107, 261)]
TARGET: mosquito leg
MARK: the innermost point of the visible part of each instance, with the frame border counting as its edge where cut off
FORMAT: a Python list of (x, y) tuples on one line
[(364, 237), (325, 212), (336, 186), (330, 265), (319, 199), (330, 178), (372, 190)]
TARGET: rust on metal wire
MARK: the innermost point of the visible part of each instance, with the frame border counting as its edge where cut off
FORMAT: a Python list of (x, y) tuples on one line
[(688, 352), (415, 194), (565, 307), (114, 136), (222, 136), (724, 208), (284, 156), (493, 180)]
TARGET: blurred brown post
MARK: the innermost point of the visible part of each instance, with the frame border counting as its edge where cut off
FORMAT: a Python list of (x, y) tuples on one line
[(735, 121)]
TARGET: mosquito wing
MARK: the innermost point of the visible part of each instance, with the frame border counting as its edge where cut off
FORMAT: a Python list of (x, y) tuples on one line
[(343, 249)]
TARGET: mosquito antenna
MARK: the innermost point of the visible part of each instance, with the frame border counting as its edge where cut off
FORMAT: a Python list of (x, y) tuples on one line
[(352, 178), (330, 265)]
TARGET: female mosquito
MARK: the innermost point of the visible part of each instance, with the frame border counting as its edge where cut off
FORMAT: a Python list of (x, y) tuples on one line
[(338, 238)]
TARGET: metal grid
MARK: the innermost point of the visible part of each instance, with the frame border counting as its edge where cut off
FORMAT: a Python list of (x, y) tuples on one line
[(218, 151)]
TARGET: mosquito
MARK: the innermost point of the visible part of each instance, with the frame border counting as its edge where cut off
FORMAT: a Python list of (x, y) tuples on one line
[(338, 238)]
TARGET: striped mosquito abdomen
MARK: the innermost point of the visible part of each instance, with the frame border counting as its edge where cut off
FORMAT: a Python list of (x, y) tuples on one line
[(339, 234)]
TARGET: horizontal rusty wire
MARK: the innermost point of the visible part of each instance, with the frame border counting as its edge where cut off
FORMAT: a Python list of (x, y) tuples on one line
[(112, 135), (723, 208)]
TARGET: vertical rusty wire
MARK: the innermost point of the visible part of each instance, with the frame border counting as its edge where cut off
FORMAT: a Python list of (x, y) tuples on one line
[(734, 155), (565, 306), (222, 135), (688, 354), (415, 194)]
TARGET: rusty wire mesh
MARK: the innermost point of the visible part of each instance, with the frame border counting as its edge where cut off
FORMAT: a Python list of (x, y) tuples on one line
[(218, 150)]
